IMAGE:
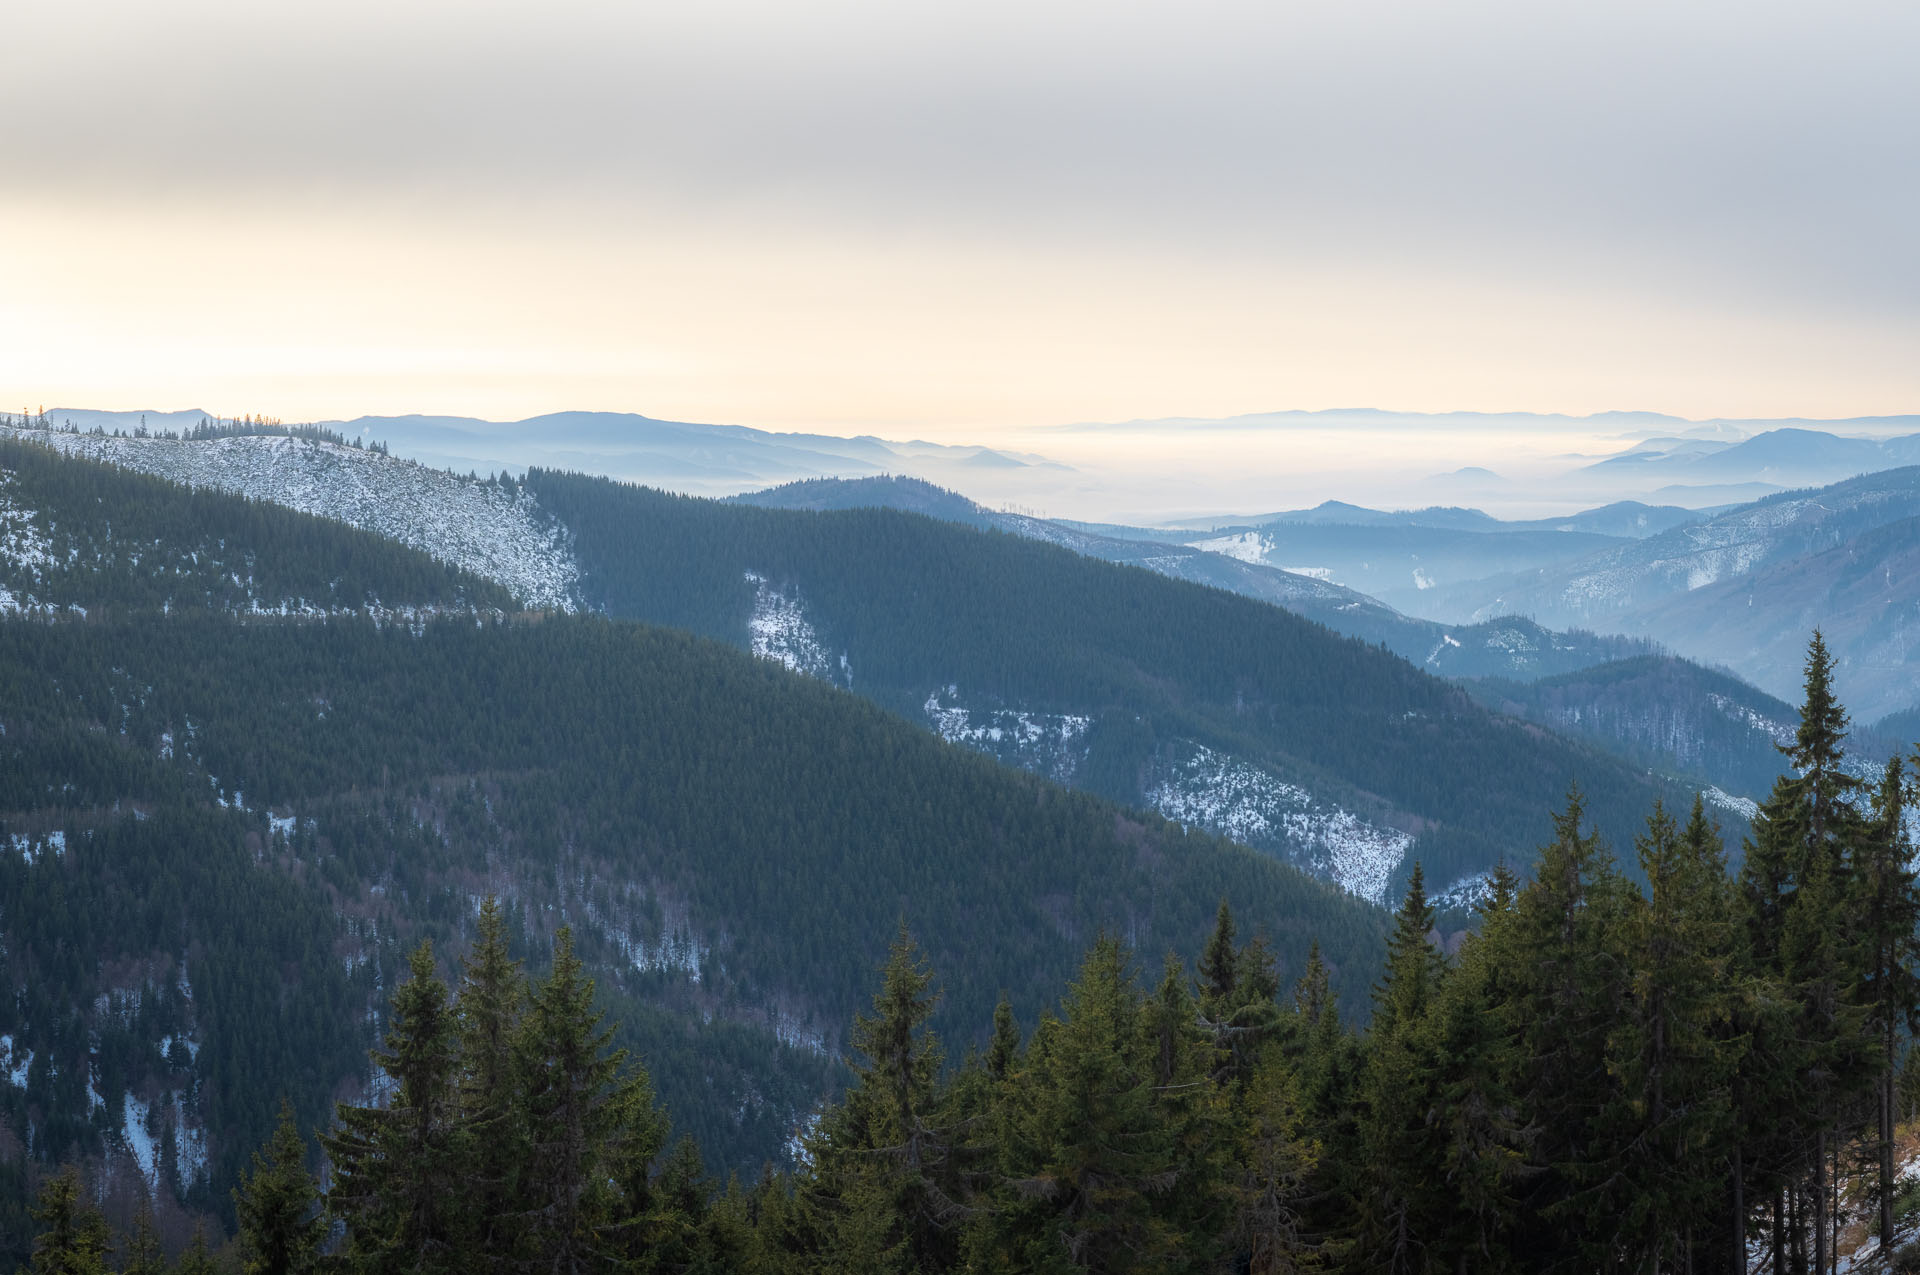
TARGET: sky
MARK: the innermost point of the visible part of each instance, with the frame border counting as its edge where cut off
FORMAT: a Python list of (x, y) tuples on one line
[(960, 222)]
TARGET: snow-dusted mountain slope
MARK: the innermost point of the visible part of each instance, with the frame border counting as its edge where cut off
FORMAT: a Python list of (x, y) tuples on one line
[(497, 532), (1401, 564), (1746, 588), (779, 630), (1195, 786), (1214, 791), (1609, 586)]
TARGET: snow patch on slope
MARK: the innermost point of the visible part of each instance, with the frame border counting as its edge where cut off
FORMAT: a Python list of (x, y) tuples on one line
[(140, 1141), (1049, 744), (1467, 893), (22, 544), (1778, 732), (779, 630), (1247, 546), (1742, 806), (496, 532), (17, 1062), (1245, 803)]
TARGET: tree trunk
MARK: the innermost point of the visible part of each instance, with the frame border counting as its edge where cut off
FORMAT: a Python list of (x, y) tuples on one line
[(1779, 1233), (1820, 1203), (1739, 1212), (1796, 1230), (1886, 1150), (1833, 1214)]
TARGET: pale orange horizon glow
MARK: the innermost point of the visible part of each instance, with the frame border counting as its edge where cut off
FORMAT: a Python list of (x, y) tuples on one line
[(961, 224)]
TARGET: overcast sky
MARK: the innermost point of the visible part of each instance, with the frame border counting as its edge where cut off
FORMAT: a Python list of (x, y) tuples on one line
[(951, 219)]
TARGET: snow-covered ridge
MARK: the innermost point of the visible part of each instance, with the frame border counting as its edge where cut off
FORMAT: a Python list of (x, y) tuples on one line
[(778, 629), (496, 532), (1215, 791)]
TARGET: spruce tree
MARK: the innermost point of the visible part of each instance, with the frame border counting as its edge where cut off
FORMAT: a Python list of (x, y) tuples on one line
[(398, 1169), (886, 1169), (1413, 967), (280, 1227), (1569, 983), (1884, 916), (487, 1009), (73, 1237), (142, 1252), (196, 1260), (1312, 995), (592, 1126), (1274, 1159), (1401, 1148), (1219, 973), (1484, 1135), (1005, 1045), (1674, 1063), (1087, 1161), (1810, 1058)]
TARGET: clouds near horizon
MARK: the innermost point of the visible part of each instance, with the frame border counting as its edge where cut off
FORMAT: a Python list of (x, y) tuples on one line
[(962, 215)]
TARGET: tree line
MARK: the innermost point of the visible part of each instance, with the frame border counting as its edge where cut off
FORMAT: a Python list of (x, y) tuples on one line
[(1662, 1067)]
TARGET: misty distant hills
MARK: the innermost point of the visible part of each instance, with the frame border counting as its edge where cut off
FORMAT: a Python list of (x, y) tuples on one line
[(686, 456), (1743, 589), (1626, 519), (1783, 457), (682, 455)]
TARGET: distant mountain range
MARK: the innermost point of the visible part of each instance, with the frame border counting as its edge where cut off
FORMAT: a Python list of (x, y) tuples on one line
[(1784, 457), (679, 455), (1627, 519)]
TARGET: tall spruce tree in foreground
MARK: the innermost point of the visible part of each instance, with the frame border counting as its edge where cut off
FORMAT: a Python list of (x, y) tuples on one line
[(142, 1252), (73, 1237), (1402, 1195), (1670, 1115), (1813, 1050), (1884, 916), (1089, 1164), (398, 1169), (1569, 985), (487, 1009), (1484, 1136), (885, 1185), (280, 1223), (593, 1129)]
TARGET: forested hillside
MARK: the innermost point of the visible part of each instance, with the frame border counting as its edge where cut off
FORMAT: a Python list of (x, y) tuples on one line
[(1506, 646), (1211, 707), (222, 835)]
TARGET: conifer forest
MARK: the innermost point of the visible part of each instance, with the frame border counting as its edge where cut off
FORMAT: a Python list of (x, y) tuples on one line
[(1677, 1056)]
